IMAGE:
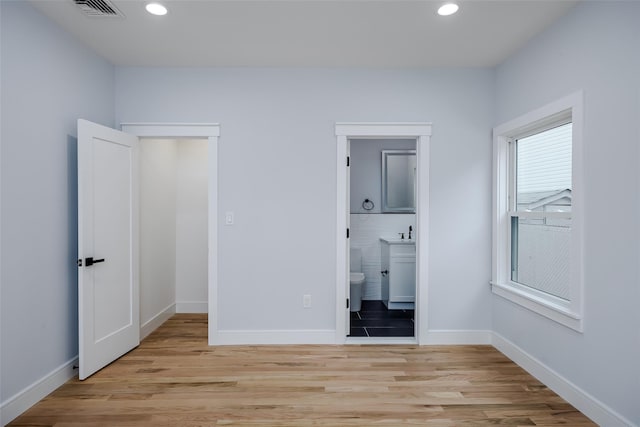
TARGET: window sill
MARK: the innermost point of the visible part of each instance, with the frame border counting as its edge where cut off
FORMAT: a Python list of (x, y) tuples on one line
[(540, 305)]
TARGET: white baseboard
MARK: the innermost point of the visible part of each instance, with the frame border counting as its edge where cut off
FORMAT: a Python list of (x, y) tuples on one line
[(25, 399), (275, 337), (157, 320), (248, 337), (600, 413), (457, 337), (192, 307)]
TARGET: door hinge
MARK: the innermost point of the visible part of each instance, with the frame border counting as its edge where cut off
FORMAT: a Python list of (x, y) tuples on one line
[(347, 233), (347, 302), (348, 160)]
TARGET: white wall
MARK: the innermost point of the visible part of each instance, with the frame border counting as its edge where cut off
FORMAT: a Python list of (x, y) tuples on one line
[(191, 226), (49, 80), (593, 48), (366, 170), (157, 227), (277, 174)]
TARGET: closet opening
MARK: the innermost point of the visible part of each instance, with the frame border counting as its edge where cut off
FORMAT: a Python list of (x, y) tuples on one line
[(174, 270)]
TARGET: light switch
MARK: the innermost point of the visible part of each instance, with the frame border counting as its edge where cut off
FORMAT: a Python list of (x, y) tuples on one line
[(228, 218)]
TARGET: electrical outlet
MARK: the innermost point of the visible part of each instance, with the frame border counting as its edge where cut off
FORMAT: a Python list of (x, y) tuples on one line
[(306, 301)]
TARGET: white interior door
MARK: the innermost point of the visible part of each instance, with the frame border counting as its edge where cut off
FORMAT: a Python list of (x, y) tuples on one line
[(108, 285)]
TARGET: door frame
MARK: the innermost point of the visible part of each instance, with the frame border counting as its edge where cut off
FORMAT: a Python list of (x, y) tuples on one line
[(421, 132), (210, 131)]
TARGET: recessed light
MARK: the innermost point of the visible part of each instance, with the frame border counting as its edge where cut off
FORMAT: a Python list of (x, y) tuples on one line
[(156, 9), (447, 9)]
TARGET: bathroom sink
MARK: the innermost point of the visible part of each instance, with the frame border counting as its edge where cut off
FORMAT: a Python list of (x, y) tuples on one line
[(398, 241)]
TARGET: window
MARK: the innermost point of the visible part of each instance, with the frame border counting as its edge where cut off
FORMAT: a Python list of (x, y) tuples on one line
[(537, 252)]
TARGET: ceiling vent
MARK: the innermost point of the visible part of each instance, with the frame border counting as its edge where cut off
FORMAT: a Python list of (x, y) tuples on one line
[(98, 8)]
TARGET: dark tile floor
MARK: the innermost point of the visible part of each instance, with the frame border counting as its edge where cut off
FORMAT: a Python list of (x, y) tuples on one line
[(375, 320)]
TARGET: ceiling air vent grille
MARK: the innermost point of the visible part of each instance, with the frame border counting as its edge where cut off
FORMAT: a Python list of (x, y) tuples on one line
[(98, 8)]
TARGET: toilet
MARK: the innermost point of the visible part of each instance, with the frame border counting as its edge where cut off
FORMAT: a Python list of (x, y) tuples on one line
[(356, 279)]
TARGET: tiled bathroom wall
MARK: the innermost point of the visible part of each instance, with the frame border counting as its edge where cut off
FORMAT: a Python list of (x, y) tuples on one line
[(366, 230)]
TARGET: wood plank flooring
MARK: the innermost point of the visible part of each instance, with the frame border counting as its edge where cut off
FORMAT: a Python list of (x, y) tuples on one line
[(175, 379)]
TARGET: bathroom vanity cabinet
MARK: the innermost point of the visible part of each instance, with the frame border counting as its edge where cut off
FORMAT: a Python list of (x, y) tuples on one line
[(398, 260)]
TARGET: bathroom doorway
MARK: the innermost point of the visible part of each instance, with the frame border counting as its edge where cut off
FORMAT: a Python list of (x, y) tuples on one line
[(346, 135), (382, 193)]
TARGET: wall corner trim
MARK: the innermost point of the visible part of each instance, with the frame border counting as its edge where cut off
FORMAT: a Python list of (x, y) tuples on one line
[(32, 394), (597, 411)]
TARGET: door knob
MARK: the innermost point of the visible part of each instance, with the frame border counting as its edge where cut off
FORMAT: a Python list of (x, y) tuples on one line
[(90, 261)]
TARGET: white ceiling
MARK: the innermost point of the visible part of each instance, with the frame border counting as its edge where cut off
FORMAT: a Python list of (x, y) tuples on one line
[(310, 33)]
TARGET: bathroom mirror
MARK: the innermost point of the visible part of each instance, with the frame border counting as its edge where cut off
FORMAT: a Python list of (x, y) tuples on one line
[(399, 181)]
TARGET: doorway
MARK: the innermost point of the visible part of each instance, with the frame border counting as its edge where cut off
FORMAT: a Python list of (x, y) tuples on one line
[(210, 132), (173, 229), (346, 132), (108, 237), (382, 224)]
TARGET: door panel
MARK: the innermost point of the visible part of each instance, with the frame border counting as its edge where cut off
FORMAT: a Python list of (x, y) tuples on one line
[(108, 293), (112, 212)]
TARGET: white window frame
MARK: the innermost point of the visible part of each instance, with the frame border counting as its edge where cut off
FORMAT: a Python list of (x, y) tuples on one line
[(568, 313)]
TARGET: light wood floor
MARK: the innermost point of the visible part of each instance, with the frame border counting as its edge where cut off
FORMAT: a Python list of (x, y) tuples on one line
[(174, 379)]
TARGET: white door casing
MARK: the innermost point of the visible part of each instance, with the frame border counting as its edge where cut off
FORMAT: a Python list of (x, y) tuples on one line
[(210, 131), (108, 282), (422, 133), (347, 164)]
